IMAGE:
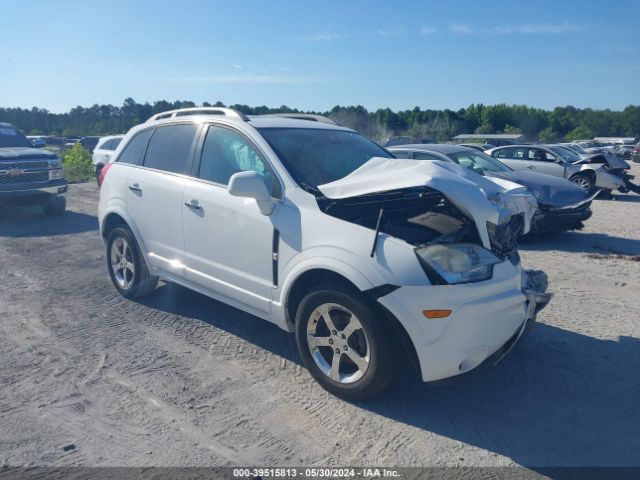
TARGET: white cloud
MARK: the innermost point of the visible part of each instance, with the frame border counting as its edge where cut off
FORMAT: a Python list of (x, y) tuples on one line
[(324, 37), (238, 66), (426, 30), (537, 29), (391, 32), (247, 79), (461, 29)]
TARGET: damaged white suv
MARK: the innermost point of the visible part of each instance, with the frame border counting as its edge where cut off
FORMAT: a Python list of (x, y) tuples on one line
[(373, 261)]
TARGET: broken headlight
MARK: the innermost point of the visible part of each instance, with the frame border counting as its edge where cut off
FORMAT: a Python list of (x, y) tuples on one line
[(452, 263)]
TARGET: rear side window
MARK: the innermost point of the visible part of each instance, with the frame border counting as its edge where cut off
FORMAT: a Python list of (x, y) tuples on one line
[(111, 144), (401, 154), (512, 153), (170, 148), (426, 156), (134, 151)]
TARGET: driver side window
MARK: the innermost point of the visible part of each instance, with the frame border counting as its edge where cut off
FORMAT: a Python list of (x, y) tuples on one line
[(226, 153)]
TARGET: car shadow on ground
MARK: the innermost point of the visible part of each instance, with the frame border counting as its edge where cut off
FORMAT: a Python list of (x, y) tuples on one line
[(581, 242), (22, 222), (559, 398), (630, 198), (175, 299)]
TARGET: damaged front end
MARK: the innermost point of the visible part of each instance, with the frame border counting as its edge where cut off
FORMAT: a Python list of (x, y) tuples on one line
[(534, 287), (552, 218), (562, 205)]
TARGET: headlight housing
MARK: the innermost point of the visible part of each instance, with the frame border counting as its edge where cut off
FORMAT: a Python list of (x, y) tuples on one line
[(453, 263), (55, 163)]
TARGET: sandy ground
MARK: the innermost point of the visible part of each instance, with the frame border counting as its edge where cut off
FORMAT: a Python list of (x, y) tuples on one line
[(179, 379)]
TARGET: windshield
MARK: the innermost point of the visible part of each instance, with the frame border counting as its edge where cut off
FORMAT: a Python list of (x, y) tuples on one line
[(478, 162), (577, 148), (315, 156), (566, 153), (10, 137)]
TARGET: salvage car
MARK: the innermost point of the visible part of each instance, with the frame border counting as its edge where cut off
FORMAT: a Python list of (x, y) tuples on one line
[(28, 175), (559, 162), (369, 259), (602, 170), (562, 205)]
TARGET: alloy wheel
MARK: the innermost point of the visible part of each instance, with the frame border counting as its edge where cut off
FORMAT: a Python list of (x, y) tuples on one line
[(122, 263), (338, 343)]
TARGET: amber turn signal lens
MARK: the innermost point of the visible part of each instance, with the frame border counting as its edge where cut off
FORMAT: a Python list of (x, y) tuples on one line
[(436, 313)]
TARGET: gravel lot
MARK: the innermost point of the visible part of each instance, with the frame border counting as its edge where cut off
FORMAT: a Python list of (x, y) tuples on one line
[(179, 379)]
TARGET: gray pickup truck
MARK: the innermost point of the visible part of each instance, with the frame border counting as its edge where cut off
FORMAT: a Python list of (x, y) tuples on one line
[(29, 176)]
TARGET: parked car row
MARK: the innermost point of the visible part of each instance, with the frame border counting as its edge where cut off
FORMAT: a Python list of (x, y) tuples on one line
[(62, 143), (562, 205)]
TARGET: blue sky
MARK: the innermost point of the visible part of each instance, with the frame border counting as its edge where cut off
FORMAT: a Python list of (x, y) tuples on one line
[(314, 55)]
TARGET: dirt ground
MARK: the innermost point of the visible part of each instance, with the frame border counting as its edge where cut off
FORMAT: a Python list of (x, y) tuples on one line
[(177, 379)]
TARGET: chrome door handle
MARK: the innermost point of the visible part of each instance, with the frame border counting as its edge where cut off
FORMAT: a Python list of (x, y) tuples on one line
[(193, 206), (135, 188)]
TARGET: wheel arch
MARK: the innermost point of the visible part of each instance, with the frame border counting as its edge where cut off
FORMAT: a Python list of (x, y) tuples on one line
[(316, 276), (117, 217)]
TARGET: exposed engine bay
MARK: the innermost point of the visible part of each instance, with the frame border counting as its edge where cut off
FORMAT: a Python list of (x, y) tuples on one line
[(422, 215), (428, 202)]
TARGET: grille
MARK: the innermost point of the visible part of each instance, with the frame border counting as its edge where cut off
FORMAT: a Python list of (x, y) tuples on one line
[(23, 165), (24, 178)]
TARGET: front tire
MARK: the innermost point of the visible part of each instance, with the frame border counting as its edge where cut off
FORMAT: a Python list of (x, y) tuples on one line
[(584, 181), (346, 343), (127, 268)]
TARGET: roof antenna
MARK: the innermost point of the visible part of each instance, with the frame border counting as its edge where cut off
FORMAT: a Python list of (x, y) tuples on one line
[(375, 239)]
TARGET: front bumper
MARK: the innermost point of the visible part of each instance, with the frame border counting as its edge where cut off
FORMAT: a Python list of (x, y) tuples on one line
[(485, 316), (31, 193), (557, 219), (608, 180)]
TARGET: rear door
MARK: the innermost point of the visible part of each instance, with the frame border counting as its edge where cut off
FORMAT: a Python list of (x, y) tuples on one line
[(154, 197), (544, 162)]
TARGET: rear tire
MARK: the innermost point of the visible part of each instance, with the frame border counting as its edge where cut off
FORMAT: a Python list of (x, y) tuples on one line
[(55, 206), (126, 265), (353, 355)]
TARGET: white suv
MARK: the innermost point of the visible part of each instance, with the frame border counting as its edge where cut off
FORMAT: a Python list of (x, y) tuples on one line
[(373, 261)]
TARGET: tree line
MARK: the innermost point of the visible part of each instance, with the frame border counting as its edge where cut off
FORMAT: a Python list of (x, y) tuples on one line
[(561, 123)]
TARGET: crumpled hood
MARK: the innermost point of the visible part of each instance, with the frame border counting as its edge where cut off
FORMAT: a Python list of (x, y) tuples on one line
[(24, 153), (612, 161), (480, 198), (548, 190)]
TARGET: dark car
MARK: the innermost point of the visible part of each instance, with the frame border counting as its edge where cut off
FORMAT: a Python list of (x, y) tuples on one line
[(562, 205), (28, 175), (89, 143)]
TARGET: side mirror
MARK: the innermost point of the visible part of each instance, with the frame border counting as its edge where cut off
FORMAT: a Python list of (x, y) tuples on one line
[(251, 185)]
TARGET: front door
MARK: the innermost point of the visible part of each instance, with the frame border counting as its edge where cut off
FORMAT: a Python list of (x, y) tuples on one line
[(228, 242), (544, 162)]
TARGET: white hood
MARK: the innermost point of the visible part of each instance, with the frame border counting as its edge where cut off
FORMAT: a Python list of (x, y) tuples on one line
[(483, 199)]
